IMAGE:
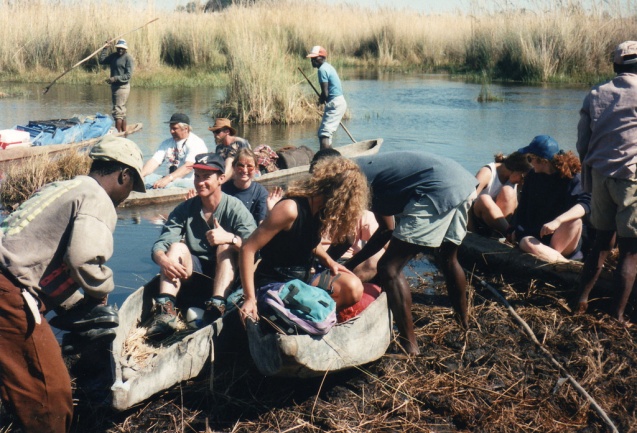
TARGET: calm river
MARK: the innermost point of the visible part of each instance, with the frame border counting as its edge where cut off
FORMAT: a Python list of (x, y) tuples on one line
[(408, 111)]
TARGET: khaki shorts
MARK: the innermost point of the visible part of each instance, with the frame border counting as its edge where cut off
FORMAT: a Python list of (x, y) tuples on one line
[(421, 224), (614, 205)]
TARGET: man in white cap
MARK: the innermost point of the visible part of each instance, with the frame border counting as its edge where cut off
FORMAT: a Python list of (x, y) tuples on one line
[(121, 64), (54, 244), (179, 151), (607, 145), (331, 96)]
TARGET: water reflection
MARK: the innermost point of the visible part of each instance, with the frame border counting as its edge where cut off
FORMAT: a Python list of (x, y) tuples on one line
[(407, 111)]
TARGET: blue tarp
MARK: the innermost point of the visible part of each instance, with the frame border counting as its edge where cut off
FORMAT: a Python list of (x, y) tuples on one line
[(64, 131)]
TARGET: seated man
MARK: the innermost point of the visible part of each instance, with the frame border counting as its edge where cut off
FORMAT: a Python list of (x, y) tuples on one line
[(497, 193), (202, 234), (228, 144), (180, 151)]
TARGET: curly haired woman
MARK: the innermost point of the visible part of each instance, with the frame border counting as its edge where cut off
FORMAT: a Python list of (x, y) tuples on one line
[(548, 221), (329, 203)]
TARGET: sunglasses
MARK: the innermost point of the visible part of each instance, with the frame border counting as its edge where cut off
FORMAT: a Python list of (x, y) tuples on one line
[(218, 131)]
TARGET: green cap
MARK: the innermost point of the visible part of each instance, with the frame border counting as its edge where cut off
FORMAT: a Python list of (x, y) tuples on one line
[(122, 150)]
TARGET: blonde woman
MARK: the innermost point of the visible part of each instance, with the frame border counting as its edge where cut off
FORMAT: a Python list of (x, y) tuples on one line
[(330, 203)]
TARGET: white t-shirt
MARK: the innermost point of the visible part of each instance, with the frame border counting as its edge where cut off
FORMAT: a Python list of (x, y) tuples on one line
[(179, 152)]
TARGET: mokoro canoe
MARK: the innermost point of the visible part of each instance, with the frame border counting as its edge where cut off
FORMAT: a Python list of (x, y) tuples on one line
[(159, 196), (15, 154), (358, 341), (142, 369), (494, 256), (354, 150)]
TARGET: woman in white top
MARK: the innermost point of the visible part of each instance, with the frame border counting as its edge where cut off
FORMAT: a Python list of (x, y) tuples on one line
[(497, 193)]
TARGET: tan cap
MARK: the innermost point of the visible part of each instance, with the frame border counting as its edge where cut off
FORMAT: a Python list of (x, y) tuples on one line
[(122, 150), (222, 122), (628, 48)]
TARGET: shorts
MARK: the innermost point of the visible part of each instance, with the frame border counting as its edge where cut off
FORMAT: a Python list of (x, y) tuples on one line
[(205, 267), (614, 205), (421, 224)]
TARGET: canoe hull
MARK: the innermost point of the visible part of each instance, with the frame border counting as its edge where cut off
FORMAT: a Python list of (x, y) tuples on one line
[(358, 341), (169, 365)]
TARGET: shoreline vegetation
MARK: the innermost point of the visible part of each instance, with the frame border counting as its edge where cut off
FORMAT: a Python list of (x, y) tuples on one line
[(254, 47)]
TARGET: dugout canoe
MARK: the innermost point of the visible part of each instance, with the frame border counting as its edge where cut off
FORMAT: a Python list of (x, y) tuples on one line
[(494, 256), (149, 369), (358, 341), (18, 154), (168, 195)]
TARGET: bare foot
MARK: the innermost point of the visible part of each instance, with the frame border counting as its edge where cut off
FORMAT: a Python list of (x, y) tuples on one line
[(580, 308)]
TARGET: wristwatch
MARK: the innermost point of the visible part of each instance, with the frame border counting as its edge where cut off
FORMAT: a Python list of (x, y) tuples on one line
[(235, 239)]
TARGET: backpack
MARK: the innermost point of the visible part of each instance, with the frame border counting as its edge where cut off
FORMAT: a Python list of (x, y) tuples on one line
[(266, 158), (298, 308)]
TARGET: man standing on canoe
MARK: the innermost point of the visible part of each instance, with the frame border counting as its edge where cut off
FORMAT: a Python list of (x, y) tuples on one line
[(121, 65), (607, 145), (331, 95), (53, 244), (430, 197), (202, 234), (228, 144), (180, 151)]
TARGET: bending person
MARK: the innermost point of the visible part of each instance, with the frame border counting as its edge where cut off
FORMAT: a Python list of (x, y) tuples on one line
[(329, 203), (497, 193), (548, 221)]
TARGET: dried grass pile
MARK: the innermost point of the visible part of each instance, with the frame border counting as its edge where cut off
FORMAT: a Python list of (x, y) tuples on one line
[(20, 181), (492, 378)]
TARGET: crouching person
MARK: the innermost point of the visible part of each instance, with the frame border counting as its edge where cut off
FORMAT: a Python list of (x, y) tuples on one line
[(329, 203), (202, 234), (54, 244)]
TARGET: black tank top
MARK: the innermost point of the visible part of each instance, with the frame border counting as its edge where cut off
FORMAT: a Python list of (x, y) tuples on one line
[(289, 254)]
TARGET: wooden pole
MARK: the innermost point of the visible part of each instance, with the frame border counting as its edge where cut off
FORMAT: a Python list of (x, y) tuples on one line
[(318, 94), (46, 89)]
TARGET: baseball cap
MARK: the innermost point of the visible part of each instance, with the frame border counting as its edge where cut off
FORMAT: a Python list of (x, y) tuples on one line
[(210, 161), (625, 49), (317, 51), (543, 146), (122, 150), (179, 118)]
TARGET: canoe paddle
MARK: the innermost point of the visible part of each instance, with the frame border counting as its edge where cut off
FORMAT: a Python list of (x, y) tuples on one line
[(46, 89), (318, 94)]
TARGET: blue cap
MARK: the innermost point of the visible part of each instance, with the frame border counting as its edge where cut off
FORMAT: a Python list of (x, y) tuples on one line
[(543, 146)]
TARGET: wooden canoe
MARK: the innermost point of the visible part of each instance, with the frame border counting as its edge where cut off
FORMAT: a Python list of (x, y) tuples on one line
[(182, 358), (497, 257), (168, 195), (357, 341), (15, 154)]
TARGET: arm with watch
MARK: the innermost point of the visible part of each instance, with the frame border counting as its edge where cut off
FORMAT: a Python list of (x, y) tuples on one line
[(219, 236)]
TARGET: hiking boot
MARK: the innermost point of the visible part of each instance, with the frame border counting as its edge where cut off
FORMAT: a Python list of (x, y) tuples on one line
[(164, 321), (215, 308), (86, 314), (74, 342)]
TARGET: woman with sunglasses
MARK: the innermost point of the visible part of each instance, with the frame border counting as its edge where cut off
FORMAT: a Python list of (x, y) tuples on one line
[(498, 193), (548, 221)]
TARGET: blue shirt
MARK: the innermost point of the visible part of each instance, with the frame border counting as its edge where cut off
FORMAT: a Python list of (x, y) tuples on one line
[(253, 197), (327, 74), (396, 177)]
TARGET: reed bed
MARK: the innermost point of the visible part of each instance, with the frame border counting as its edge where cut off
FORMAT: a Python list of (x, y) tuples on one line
[(254, 48), (20, 181), (492, 378)]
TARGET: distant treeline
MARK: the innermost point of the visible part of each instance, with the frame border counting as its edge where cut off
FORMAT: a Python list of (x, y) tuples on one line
[(260, 43)]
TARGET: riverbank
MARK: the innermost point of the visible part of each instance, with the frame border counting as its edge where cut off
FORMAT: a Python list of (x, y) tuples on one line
[(556, 44)]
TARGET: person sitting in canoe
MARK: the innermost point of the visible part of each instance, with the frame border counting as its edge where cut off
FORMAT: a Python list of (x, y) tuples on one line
[(180, 151), (548, 220), (228, 144), (497, 193), (202, 234), (329, 203)]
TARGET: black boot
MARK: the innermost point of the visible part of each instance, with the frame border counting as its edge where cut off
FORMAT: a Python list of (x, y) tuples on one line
[(87, 314)]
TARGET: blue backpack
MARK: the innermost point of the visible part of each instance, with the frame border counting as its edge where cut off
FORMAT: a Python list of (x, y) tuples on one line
[(297, 307)]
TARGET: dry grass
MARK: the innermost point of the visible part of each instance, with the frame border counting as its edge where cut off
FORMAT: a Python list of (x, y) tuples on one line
[(492, 378), (20, 181)]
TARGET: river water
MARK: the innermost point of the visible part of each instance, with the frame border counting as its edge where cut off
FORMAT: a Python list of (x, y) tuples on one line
[(408, 111)]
